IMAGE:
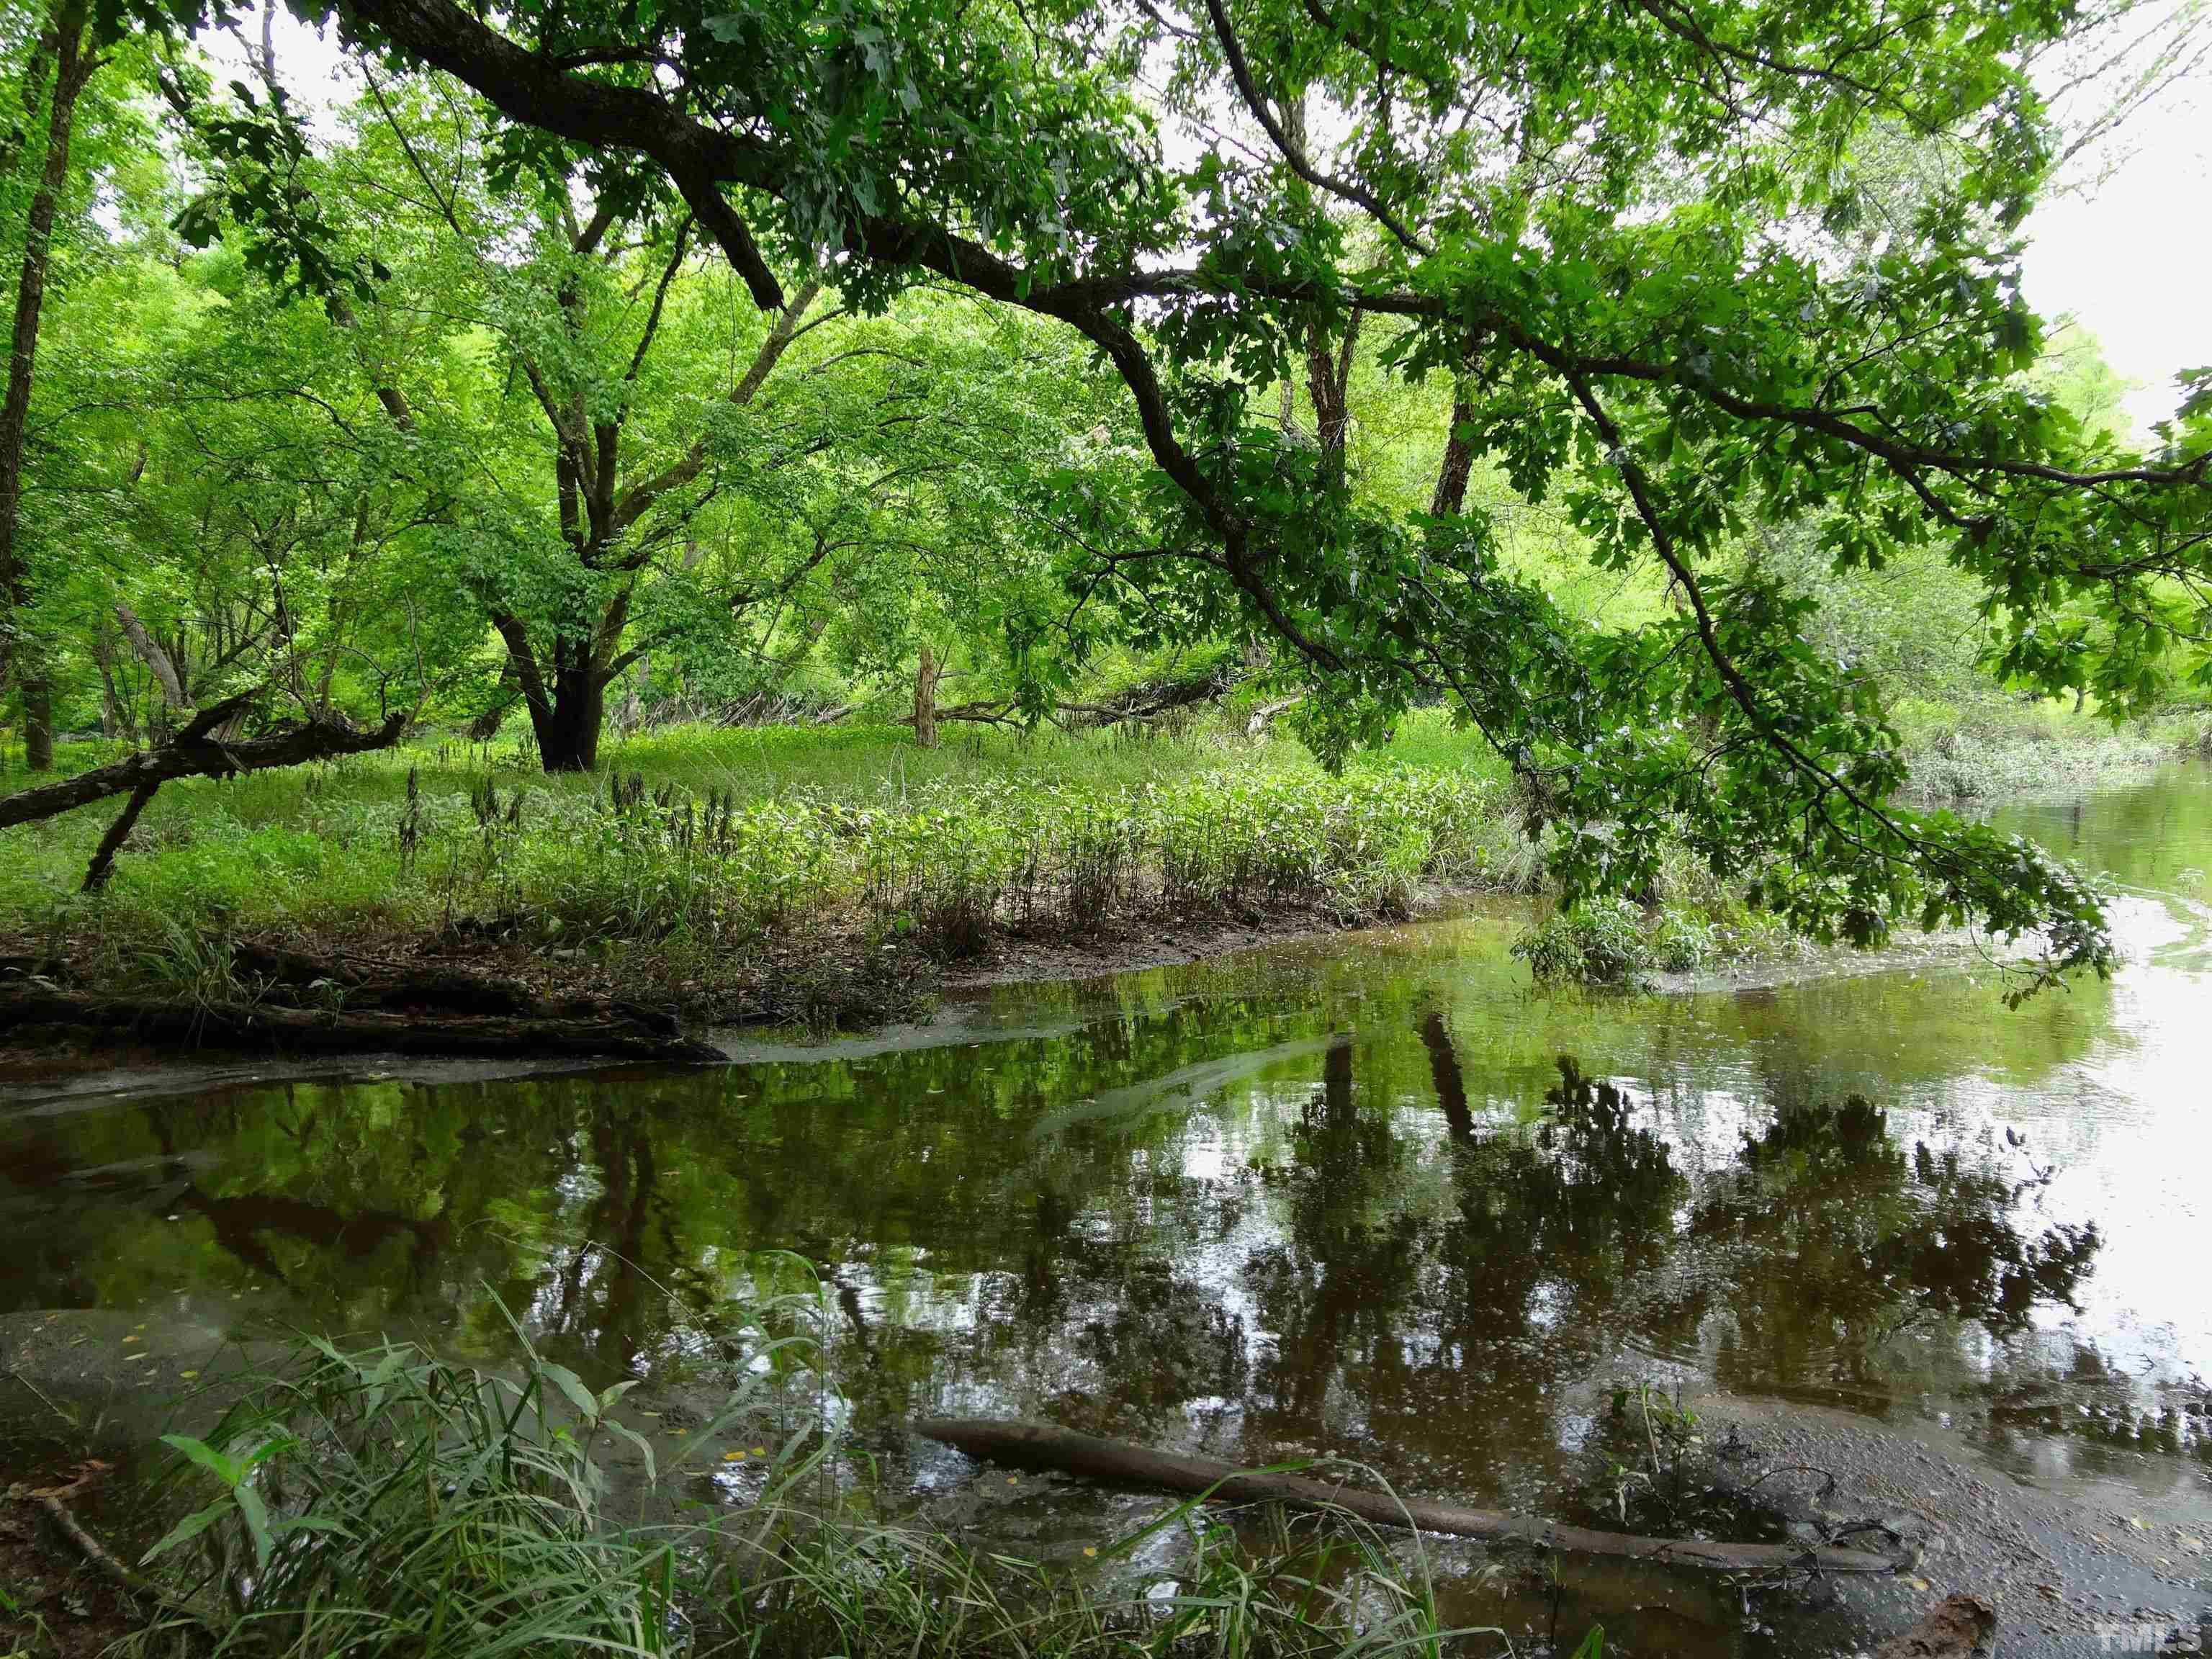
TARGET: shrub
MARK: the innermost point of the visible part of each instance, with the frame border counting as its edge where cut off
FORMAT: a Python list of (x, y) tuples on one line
[(1596, 942)]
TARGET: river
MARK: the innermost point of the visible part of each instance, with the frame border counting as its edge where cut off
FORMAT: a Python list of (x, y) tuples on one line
[(1372, 1195)]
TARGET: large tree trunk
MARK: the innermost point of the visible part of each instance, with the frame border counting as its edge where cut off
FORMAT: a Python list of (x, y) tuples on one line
[(568, 729), (566, 710), (63, 46), (926, 674)]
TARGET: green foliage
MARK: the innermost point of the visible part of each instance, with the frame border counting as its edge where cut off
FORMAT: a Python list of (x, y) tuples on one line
[(1598, 942), (378, 1501), (732, 841), (738, 352)]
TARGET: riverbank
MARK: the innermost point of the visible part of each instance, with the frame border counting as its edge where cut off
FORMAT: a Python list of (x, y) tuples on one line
[(780, 876), (1334, 1198), (449, 898)]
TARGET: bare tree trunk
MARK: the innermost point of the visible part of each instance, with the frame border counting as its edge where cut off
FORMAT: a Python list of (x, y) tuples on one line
[(1459, 457), (153, 653), (38, 722), (115, 719), (926, 674), (63, 45)]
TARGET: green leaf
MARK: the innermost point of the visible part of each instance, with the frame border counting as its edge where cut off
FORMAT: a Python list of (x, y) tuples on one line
[(572, 1386), (187, 1529), (250, 1506), (228, 1470)]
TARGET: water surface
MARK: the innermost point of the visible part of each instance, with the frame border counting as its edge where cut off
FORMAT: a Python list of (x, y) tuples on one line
[(1370, 1195)]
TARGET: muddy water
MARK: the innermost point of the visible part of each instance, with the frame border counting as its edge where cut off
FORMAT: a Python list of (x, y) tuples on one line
[(1372, 1196)]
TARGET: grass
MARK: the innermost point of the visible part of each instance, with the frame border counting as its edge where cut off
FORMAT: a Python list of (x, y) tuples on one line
[(700, 849), (1998, 747), (378, 1502), (813, 873)]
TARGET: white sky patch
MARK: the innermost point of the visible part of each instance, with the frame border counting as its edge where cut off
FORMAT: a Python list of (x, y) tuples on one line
[(2126, 257)]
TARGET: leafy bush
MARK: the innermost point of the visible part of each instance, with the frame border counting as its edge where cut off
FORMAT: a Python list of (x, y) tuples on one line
[(1597, 942), (1683, 943)]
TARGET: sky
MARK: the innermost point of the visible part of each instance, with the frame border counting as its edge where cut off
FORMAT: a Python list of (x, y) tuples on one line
[(2130, 258), (2125, 252)]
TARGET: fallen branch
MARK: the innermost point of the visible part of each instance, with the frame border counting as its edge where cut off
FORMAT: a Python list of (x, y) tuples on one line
[(983, 713), (1266, 711), (197, 752), (1041, 1446), (613, 1032), (103, 856), (98, 1556)]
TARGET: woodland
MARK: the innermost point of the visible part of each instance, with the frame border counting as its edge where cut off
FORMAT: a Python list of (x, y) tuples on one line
[(556, 530)]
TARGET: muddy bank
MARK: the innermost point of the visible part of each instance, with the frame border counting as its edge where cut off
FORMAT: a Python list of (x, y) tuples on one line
[(2079, 1566), (483, 994)]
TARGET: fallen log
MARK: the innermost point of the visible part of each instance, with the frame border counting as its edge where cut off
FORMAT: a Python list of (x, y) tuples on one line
[(603, 1035), (383, 985), (1043, 1446)]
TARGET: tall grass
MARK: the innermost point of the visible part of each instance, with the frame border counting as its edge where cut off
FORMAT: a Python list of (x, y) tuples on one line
[(381, 1501), (730, 839)]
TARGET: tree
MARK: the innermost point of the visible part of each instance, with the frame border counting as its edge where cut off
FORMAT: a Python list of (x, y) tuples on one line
[(61, 64), (1624, 236), (663, 473)]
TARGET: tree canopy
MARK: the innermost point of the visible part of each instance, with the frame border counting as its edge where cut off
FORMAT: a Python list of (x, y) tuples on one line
[(1676, 276)]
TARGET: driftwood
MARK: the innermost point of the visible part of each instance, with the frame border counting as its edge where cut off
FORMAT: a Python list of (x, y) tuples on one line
[(1041, 1446), (568, 1033), (1956, 1627)]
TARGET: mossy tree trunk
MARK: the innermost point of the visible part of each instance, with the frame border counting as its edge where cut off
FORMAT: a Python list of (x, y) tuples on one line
[(928, 671), (62, 53)]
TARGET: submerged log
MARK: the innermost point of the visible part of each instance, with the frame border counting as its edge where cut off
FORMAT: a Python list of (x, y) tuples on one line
[(1043, 1446), (611, 1033), (1956, 1627)]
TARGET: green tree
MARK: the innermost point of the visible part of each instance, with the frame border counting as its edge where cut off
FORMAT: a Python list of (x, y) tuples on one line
[(1628, 239), (62, 61)]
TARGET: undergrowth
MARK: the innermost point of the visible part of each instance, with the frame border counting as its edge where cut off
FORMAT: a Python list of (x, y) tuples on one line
[(709, 843)]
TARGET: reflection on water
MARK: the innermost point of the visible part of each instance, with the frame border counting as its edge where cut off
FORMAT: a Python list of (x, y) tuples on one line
[(1345, 1194)]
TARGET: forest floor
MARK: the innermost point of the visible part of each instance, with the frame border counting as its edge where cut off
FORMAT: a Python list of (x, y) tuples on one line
[(448, 897)]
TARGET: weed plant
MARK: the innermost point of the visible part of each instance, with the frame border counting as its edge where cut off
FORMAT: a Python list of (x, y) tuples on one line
[(381, 1501), (723, 840)]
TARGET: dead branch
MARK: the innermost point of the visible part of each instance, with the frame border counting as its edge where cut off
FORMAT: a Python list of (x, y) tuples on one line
[(1043, 1446), (195, 751)]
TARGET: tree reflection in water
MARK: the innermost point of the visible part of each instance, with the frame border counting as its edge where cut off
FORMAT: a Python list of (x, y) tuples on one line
[(1303, 1240)]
